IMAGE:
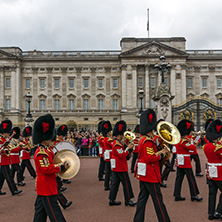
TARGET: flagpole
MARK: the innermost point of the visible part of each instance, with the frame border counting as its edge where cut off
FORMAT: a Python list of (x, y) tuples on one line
[(148, 23)]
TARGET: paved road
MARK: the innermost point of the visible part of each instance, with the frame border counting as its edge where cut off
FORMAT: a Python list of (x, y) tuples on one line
[(90, 201)]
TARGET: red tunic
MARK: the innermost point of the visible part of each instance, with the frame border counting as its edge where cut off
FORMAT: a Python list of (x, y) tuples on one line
[(147, 155), (107, 148), (205, 140), (213, 152), (46, 183), (4, 158), (25, 154), (183, 149), (101, 145), (14, 155), (192, 152), (136, 144), (119, 154)]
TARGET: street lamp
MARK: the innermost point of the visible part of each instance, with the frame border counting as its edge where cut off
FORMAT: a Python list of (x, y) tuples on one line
[(162, 67), (141, 95), (28, 100)]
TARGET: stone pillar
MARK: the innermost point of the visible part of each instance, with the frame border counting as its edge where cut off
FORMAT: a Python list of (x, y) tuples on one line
[(134, 92), (64, 88), (173, 80), (147, 88), (197, 80), (79, 88), (49, 102), (107, 101), (124, 98), (18, 87), (35, 102), (2, 88), (13, 89), (184, 83), (93, 87), (211, 83)]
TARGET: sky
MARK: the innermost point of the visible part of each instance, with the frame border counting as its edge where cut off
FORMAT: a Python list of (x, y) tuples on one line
[(59, 25)]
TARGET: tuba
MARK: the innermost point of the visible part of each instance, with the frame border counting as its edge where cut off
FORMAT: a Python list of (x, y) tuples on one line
[(129, 137), (169, 134)]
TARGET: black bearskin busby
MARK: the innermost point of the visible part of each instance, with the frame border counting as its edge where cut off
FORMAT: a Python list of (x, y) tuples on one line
[(17, 132), (62, 130), (147, 121), (119, 128), (137, 129), (106, 127), (207, 123), (27, 131), (185, 127), (43, 129), (6, 126), (214, 130), (99, 126)]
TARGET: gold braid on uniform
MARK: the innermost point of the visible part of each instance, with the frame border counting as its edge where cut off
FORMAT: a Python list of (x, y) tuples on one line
[(218, 146), (44, 162), (42, 151)]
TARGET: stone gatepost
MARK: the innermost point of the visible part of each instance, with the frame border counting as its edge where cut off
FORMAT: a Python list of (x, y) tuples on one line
[(163, 100)]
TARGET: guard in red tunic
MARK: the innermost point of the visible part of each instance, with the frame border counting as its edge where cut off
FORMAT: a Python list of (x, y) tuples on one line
[(101, 148), (5, 161), (183, 162), (213, 152), (46, 184), (14, 155), (106, 129), (25, 153), (206, 125), (135, 148), (148, 169), (120, 167)]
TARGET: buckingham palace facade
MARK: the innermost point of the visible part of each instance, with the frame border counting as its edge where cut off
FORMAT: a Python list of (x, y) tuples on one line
[(88, 86)]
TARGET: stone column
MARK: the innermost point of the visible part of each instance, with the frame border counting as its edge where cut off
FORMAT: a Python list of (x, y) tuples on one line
[(211, 83), (79, 88), (93, 87), (107, 101), (48, 102), (173, 81), (123, 78), (35, 101), (2, 88), (64, 88), (18, 87), (134, 92), (184, 83), (147, 87), (13, 89)]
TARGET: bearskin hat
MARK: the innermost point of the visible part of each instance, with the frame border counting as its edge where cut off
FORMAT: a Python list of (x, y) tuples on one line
[(17, 132), (119, 128), (99, 126), (62, 130), (44, 129), (6, 126), (27, 131), (147, 121), (137, 129), (207, 123), (106, 127), (185, 127), (214, 130)]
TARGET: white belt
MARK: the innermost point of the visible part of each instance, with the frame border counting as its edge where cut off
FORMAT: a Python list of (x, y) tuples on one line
[(13, 154), (214, 164), (184, 154)]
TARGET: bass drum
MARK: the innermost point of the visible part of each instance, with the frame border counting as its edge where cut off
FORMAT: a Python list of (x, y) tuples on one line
[(64, 146)]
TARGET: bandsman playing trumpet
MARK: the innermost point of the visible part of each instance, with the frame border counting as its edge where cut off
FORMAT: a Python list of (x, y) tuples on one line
[(119, 167), (25, 153)]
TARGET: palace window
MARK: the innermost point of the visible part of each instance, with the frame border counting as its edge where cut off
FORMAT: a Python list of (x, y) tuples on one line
[(8, 104), (56, 83), (42, 104), (100, 104), (86, 104), (86, 83), (218, 82), (71, 83), (140, 82), (153, 82), (71, 104), (42, 83), (115, 104), (204, 82), (100, 83), (189, 83), (56, 104), (115, 83), (219, 101), (27, 84), (8, 83)]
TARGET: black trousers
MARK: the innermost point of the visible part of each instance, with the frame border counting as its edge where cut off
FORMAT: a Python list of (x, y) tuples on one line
[(5, 174), (173, 161), (166, 172), (181, 172), (16, 168), (108, 173), (135, 155), (196, 158), (213, 186), (47, 206), (61, 198), (122, 177), (152, 189), (27, 163), (101, 168)]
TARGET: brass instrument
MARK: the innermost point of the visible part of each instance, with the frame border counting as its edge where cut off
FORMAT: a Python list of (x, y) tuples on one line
[(169, 134), (28, 145), (129, 136), (5, 145)]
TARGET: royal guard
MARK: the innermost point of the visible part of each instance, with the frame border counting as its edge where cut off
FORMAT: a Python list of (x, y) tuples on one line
[(14, 155), (5, 161), (205, 127), (213, 152), (46, 184), (135, 148), (148, 169), (25, 153), (101, 156), (119, 167), (106, 129), (183, 162), (62, 133)]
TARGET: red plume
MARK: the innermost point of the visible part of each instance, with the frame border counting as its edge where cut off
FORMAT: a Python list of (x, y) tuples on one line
[(188, 125), (45, 127), (5, 125), (218, 128), (120, 127), (150, 117)]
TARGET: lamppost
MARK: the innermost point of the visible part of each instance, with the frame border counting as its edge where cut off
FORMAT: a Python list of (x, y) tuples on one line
[(141, 95), (28, 117), (162, 67)]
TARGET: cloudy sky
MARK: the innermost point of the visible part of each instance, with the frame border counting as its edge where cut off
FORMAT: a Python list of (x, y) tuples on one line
[(100, 24)]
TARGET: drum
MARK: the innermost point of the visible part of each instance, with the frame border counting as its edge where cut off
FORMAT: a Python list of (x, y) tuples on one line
[(64, 146)]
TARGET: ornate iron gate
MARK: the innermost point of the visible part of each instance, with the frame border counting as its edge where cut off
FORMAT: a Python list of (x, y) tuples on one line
[(198, 110)]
